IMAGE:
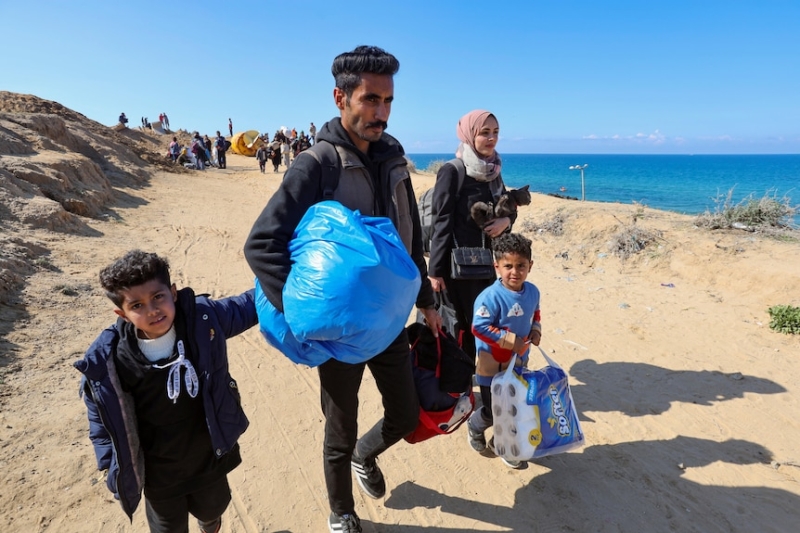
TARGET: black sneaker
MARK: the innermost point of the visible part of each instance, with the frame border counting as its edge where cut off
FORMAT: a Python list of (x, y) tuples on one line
[(346, 523), (369, 477)]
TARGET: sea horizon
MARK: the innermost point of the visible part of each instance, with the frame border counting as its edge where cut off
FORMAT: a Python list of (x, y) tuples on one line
[(687, 184)]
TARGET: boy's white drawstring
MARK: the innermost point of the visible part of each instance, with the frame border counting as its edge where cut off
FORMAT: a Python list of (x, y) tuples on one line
[(174, 377)]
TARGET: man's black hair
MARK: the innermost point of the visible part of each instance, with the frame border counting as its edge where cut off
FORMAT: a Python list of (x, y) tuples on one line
[(134, 268), (511, 243), (348, 67)]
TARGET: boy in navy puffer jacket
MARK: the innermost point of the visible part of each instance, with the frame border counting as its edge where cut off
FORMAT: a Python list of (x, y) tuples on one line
[(164, 413)]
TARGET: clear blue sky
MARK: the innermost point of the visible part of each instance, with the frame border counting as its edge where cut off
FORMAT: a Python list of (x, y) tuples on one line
[(572, 76)]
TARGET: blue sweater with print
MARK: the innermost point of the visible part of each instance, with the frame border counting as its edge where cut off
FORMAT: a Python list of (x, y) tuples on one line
[(499, 310)]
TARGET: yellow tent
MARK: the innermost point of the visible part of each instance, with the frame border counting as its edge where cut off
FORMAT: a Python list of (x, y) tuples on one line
[(246, 143)]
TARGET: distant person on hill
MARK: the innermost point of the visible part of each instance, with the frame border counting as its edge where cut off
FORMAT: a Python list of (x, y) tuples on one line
[(123, 119), (166, 122), (302, 143), (452, 223), (286, 150), (164, 412), (183, 157), (230, 127), (376, 181), (199, 152), (174, 149), (222, 147), (312, 133), (208, 146), (261, 157), (161, 119), (275, 154)]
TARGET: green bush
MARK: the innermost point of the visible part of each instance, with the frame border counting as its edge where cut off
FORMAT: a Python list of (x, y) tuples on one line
[(785, 319)]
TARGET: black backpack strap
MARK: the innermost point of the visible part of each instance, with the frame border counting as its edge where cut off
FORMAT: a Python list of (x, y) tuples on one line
[(462, 171), (325, 154)]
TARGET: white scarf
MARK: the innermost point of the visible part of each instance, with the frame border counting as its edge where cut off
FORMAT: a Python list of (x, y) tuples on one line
[(481, 170)]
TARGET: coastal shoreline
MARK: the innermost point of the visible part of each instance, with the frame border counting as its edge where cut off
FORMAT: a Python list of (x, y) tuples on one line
[(679, 183)]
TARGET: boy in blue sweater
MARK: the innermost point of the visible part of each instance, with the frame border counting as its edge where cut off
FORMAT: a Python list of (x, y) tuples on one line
[(164, 412), (506, 322)]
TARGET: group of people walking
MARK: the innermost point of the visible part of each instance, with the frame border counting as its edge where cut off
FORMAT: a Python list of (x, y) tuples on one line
[(173, 336), (201, 152), (283, 148)]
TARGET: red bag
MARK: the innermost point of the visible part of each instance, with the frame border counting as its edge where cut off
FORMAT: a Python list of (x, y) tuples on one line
[(445, 402), (432, 423)]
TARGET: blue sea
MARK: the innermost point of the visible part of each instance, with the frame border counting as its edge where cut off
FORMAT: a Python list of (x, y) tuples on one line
[(686, 184)]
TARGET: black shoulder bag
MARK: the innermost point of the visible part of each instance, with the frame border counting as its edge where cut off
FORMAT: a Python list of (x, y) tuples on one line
[(472, 262)]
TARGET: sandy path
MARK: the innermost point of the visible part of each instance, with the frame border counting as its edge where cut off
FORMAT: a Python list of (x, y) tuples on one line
[(689, 401)]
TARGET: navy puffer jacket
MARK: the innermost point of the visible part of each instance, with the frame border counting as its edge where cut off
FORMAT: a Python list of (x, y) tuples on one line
[(112, 420)]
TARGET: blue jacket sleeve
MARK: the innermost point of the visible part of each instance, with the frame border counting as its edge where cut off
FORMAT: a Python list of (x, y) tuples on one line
[(236, 314), (101, 441)]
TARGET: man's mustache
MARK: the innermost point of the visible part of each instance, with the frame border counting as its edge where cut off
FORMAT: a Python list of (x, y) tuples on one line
[(380, 123)]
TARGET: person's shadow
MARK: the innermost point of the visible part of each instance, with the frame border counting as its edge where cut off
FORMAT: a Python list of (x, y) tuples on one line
[(630, 487), (639, 389)]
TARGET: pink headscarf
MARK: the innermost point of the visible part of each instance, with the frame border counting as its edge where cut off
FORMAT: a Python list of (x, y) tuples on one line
[(481, 168), (468, 127)]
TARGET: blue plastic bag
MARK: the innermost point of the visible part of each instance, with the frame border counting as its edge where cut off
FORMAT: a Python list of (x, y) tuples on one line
[(273, 326), (350, 291), (548, 389), (534, 413)]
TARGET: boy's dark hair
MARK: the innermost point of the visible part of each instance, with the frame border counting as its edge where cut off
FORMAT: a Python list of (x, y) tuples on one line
[(349, 66), (134, 268), (511, 243)]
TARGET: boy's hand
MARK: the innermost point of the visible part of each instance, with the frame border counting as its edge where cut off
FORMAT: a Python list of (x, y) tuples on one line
[(536, 337), (520, 345)]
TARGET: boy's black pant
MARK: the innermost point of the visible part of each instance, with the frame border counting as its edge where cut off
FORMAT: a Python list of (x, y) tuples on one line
[(221, 160), (207, 505), (340, 383)]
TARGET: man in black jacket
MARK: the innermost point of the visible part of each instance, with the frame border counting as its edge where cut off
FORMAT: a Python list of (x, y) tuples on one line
[(373, 178)]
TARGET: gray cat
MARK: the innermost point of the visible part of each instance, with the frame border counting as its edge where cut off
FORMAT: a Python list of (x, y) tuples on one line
[(484, 213)]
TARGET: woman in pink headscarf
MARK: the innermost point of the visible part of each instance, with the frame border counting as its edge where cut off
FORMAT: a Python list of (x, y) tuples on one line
[(453, 224)]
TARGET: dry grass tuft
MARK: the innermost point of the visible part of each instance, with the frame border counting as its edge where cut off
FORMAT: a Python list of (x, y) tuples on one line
[(633, 239), (769, 215), (553, 225), (434, 166)]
